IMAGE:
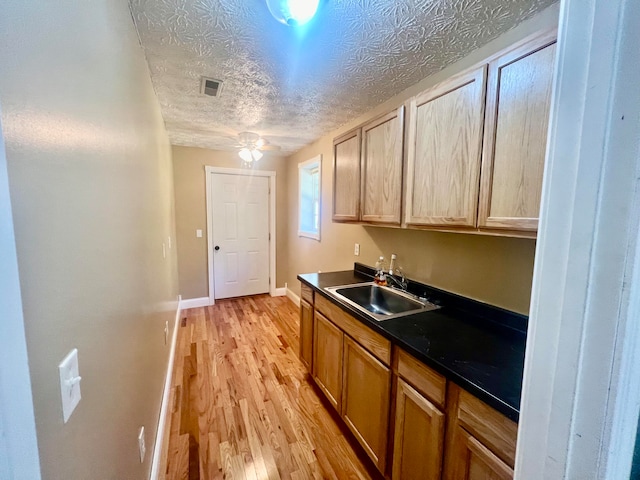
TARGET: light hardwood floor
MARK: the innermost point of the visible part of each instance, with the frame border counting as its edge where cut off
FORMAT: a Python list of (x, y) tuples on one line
[(242, 405)]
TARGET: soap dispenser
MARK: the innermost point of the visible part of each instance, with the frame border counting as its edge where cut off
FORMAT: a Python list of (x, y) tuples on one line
[(380, 277)]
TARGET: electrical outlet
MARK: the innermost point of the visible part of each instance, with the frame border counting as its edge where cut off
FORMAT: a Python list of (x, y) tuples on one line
[(166, 332), (199, 233), (164, 250), (356, 249), (141, 445)]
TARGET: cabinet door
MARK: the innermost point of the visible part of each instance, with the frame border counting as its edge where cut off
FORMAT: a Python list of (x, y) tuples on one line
[(306, 333), (419, 436), (445, 146), (346, 177), (474, 461), (365, 400), (382, 141), (327, 359), (518, 102)]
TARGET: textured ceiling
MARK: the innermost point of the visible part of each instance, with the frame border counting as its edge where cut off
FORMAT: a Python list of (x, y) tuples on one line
[(293, 86)]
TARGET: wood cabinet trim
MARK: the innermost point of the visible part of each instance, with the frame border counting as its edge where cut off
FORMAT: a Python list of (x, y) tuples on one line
[(507, 57), (355, 133), (306, 293), (375, 343), (488, 457), (377, 453), (335, 400), (347, 136), (306, 356), (477, 76), (435, 443), (428, 382), (494, 430), (396, 217)]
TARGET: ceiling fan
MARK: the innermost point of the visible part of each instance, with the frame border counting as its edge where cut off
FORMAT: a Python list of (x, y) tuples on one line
[(252, 145)]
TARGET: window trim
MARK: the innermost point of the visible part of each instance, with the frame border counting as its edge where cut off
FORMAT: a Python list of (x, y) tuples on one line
[(304, 168)]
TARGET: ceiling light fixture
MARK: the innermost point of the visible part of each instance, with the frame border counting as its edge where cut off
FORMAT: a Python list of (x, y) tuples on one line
[(293, 12), (250, 155)]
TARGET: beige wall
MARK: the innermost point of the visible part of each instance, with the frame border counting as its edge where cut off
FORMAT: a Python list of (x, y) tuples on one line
[(490, 269), (191, 213), (91, 188)]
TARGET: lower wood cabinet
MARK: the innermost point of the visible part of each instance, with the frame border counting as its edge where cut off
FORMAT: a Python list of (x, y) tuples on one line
[(471, 460), (327, 359), (365, 400), (439, 430), (418, 442), (306, 333), (480, 442)]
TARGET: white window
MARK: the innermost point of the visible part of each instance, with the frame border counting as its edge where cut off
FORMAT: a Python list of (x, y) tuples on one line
[(309, 174)]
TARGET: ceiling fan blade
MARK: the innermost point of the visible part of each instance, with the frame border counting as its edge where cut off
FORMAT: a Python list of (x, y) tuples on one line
[(270, 148)]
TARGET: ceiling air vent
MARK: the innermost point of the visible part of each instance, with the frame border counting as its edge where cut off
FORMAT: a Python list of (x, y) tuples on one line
[(210, 87)]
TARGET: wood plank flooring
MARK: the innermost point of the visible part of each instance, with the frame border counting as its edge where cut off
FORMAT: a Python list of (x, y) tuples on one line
[(242, 405)]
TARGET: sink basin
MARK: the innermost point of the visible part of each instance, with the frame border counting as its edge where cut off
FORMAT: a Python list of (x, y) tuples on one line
[(380, 303)]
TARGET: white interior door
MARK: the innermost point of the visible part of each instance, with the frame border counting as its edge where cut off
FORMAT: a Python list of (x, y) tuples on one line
[(240, 219)]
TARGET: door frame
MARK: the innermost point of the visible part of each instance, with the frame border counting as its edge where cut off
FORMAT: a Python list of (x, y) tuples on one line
[(19, 457), (579, 409), (272, 222)]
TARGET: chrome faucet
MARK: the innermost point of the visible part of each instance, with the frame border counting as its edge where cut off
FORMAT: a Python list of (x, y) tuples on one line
[(397, 277)]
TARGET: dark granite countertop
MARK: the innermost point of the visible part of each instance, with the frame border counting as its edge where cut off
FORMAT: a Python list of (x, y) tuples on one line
[(478, 347)]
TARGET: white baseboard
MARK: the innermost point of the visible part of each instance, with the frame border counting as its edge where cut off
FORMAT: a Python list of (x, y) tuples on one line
[(157, 447), (194, 302), (279, 292), (293, 296)]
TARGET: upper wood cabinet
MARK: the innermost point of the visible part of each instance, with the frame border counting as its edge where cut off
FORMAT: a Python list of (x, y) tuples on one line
[(444, 152), (346, 177), (515, 140), (474, 154), (382, 142)]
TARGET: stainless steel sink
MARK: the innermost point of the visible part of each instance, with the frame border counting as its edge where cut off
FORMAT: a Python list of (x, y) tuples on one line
[(380, 303)]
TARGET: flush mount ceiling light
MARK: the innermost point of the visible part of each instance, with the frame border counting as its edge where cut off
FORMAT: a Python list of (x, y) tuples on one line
[(293, 12)]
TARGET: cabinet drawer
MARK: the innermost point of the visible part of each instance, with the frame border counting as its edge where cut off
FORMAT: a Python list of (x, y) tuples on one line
[(490, 427), (306, 292), (428, 382), (375, 343)]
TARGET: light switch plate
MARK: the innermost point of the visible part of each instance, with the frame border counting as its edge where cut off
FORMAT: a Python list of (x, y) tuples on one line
[(199, 233), (69, 383), (142, 447)]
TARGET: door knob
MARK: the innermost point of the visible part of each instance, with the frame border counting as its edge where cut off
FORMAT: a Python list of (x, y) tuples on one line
[(216, 248)]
